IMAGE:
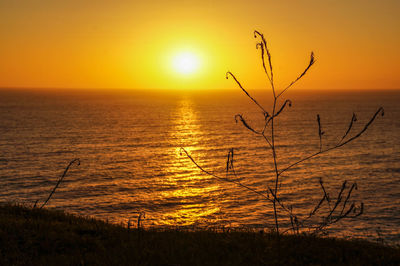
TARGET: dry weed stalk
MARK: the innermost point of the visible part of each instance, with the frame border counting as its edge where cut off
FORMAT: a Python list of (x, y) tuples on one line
[(78, 162), (338, 208)]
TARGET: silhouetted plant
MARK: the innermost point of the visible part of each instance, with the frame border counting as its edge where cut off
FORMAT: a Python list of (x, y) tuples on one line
[(338, 207), (78, 162)]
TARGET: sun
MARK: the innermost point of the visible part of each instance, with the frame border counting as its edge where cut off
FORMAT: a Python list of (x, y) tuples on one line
[(185, 63)]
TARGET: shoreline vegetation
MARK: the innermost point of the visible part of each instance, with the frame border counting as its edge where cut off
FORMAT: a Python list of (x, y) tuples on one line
[(34, 236)]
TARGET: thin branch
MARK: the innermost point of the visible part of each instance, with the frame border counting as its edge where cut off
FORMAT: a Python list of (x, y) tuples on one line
[(312, 61), (354, 186), (229, 160), (224, 179), (287, 102), (326, 195), (353, 119), (61, 179), (266, 139), (338, 200), (328, 222), (263, 46), (380, 110), (286, 209), (317, 206), (246, 124), (240, 85), (320, 132)]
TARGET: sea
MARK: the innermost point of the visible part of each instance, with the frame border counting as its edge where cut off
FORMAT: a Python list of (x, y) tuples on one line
[(131, 146)]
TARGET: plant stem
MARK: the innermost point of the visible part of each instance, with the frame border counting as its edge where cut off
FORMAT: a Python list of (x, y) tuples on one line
[(275, 162)]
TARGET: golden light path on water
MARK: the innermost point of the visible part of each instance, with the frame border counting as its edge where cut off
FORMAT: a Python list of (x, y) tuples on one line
[(187, 185)]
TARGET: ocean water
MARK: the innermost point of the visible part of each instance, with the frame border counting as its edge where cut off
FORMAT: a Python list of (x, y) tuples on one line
[(129, 144)]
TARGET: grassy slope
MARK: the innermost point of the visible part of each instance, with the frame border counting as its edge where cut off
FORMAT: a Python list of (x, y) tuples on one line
[(39, 237)]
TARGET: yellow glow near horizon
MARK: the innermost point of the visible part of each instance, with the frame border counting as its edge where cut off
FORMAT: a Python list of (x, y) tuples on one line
[(185, 63)]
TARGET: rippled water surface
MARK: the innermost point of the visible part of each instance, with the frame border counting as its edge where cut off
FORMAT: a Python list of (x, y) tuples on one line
[(129, 146)]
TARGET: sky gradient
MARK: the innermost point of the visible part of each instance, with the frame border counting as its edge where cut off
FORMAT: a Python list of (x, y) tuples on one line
[(130, 44)]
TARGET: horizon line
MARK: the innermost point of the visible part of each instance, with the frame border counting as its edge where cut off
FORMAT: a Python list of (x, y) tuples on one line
[(190, 89)]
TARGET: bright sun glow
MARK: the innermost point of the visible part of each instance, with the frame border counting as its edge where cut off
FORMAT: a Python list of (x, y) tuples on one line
[(185, 63)]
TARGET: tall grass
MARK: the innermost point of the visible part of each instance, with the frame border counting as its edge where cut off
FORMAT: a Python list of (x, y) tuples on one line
[(337, 207)]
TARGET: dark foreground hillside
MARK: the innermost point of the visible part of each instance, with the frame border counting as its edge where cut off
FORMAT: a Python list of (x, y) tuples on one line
[(46, 237)]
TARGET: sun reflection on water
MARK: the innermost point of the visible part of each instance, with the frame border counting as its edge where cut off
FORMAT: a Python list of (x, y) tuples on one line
[(191, 192)]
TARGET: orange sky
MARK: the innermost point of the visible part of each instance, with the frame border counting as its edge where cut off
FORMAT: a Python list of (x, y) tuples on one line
[(129, 44)]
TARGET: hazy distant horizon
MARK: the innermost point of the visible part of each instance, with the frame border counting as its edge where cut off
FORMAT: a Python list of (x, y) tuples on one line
[(194, 90)]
